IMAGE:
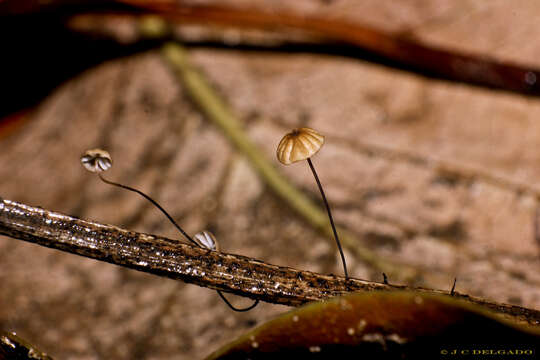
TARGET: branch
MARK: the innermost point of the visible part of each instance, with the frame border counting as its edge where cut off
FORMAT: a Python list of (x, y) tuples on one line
[(220, 271), (400, 49)]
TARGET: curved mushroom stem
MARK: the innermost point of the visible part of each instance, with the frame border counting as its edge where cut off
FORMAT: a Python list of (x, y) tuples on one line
[(153, 202), (255, 303), (330, 217), (180, 229)]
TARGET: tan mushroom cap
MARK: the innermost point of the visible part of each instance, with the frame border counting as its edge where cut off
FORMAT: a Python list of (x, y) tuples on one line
[(298, 145), (96, 160)]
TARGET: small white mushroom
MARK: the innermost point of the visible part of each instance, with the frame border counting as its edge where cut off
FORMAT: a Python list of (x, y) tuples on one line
[(96, 160), (207, 240)]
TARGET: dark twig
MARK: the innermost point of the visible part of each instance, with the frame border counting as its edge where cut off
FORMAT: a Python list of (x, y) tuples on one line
[(15, 348), (220, 271), (393, 47)]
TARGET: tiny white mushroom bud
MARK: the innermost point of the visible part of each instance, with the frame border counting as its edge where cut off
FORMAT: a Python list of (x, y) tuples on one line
[(96, 160), (207, 240)]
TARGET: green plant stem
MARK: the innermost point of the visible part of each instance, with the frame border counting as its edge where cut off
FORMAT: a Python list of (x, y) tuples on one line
[(220, 114)]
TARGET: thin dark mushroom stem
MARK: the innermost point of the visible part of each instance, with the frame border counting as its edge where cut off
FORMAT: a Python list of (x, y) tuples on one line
[(330, 217), (179, 229), (153, 202), (255, 303)]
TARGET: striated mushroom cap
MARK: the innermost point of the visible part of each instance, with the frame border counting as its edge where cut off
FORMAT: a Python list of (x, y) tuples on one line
[(299, 144), (207, 240), (96, 160)]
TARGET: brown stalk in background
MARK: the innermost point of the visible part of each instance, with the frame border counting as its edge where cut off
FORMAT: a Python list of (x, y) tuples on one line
[(41, 28), (393, 47)]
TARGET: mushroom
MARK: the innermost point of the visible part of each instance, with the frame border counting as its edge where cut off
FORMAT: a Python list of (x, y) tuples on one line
[(98, 161), (207, 240), (301, 144)]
